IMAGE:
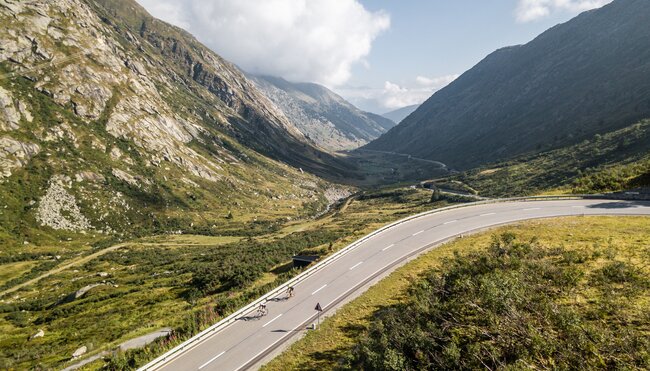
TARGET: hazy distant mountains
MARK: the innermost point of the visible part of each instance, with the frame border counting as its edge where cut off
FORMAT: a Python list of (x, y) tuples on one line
[(590, 75), (400, 114), (321, 115)]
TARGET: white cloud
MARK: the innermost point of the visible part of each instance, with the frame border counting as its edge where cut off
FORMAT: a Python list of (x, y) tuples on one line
[(436, 82), (530, 10), (301, 40), (393, 96)]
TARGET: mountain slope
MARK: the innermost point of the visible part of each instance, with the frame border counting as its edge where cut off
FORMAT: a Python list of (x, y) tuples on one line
[(614, 161), (590, 75), (399, 115), (115, 123), (257, 124), (321, 115)]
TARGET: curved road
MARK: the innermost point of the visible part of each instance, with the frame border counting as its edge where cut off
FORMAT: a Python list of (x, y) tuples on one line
[(246, 342)]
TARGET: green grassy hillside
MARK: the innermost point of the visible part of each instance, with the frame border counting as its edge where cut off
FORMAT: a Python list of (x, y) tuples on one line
[(604, 163)]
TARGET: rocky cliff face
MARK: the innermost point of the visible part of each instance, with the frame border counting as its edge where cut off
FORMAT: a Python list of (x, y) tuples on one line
[(321, 115), (111, 120)]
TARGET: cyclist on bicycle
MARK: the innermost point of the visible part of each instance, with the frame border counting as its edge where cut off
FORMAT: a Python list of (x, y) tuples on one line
[(262, 310)]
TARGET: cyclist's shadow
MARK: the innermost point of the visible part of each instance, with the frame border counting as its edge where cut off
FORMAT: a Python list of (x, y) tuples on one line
[(253, 317)]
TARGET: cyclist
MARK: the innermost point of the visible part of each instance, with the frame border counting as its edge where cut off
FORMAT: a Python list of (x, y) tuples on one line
[(262, 310)]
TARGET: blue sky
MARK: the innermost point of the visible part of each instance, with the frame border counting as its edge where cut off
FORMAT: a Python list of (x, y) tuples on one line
[(434, 39), (379, 54)]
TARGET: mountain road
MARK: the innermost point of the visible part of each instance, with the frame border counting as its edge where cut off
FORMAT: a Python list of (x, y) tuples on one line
[(252, 339)]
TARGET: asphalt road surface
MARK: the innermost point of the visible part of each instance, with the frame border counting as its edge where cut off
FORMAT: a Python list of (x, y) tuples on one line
[(248, 340)]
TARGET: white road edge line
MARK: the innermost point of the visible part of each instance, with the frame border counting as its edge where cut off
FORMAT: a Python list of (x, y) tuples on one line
[(387, 247), (269, 322), (210, 361), (449, 222), (324, 286), (417, 233), (533, 208), (488, 214), (578, 207), (267, 348), (356, 265)]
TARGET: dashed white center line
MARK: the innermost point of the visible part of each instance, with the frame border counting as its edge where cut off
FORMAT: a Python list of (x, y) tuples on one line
[(208, 362), (387, 247), (533, 208), (269, 322), (449, 222), (417, 233), (356, 265), (324, 286), (488, 214)]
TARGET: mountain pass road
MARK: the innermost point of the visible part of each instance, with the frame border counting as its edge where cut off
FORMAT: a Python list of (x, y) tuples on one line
[(247, 341)]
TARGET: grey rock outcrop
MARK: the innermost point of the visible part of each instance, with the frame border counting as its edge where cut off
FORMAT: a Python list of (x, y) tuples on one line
[(89, 176), (125, 177), (9, 116), (15, 154)]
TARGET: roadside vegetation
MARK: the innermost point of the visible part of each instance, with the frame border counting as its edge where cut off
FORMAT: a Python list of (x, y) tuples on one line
[(611, 162), (186, 282), (559, 293)]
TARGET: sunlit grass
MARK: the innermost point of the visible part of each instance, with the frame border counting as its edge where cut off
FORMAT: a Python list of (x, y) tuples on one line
[(626, 238)]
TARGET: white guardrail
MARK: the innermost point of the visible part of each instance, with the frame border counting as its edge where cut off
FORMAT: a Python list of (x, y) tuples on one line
[(203, 335)]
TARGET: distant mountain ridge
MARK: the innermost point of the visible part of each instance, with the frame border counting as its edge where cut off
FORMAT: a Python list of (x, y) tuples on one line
[(400, 114), (322, 115), (589, 75)]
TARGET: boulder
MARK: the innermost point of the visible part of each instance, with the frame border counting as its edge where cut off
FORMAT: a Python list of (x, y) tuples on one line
[(39, 334), (80, 352), (116, 154), (89, 176), (81, 292), (125, 177), (22, 107)]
